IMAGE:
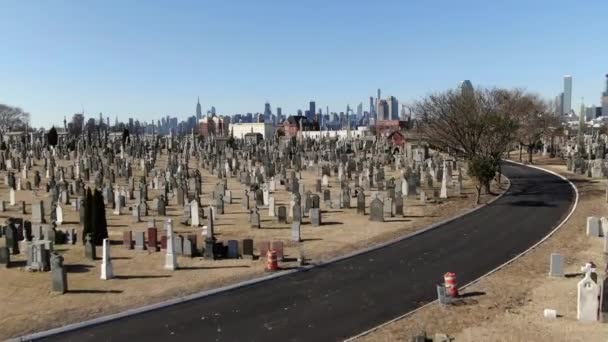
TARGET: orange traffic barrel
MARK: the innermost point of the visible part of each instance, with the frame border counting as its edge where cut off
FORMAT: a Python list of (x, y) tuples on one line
[(271, 261), (451, 286)]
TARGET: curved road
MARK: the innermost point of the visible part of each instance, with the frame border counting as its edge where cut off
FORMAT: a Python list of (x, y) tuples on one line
[(342, 299)]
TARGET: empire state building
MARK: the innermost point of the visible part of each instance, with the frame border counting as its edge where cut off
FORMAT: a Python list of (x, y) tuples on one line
[(199, 112)]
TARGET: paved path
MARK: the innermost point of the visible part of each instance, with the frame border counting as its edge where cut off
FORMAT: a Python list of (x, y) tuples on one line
[(345, 298)]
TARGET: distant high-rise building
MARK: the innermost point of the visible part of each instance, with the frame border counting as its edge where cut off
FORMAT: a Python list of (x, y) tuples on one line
[(567, 99), (359, 110), (267, 110), (605, 99), (212, 110), (77, 123), (372, 109), (590, 113), (393, 108), (558, 105), (466, 87), (299, 112), (378, 116), (279, 114), (199, 112), (383, 113), (312, 109)]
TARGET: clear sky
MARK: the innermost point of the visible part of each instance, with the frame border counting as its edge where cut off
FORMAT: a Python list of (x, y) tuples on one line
[(147, 59)]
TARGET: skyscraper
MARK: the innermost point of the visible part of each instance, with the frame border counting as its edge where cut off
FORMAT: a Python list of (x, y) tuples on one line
[(359, 110), (466, 87), (558, 105), (378, 115), (279, 115), (199, 112), (393, 108), (372, 109), (267, 111), (383, 113), (605, 99), (567, 100), (312, 110)]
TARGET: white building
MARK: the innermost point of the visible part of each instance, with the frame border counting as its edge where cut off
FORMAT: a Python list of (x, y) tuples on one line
[(266, 129)]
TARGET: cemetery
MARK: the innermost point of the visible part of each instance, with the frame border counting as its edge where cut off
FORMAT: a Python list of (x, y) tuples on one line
[(100, 224)]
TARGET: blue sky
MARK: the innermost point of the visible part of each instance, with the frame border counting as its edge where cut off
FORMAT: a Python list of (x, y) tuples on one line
[(147, 59)]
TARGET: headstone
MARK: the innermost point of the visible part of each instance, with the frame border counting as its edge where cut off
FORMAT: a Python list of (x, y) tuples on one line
[(194, 214), (89, 248), (315, 217), (593, 226), (271, 212), (296, 231), (556, 267), (170, 257), (5, 257), (140, 241), (587, 299), (361, 202), (254, 218), (233, 249), (107, 271), (376, 210), (247, 249), (282, 214), (127, 239), (59, 275), (153, 239)]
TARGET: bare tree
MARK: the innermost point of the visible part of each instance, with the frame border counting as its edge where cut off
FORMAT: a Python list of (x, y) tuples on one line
[(12, 118), (474, 126), (536, 120)]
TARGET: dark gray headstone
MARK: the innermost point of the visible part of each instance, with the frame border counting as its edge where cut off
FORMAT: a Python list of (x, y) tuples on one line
[(59, 274), (376, 211)]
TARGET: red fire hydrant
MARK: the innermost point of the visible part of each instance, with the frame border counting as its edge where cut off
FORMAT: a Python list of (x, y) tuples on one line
[(451, 286)]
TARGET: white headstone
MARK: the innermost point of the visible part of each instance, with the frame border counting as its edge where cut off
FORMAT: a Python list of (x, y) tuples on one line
[(170, 257), (194, 214), (444, 183), (404, 187), (603, 226), (588, 302), (107, 272), (59, 214), (271, 207), (12, 196), (325, 181)]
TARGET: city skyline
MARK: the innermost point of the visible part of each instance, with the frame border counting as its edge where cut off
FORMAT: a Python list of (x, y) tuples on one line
[(150, 61)]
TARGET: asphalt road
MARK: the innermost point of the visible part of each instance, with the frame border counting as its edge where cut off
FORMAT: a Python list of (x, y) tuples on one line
[(342, 299)]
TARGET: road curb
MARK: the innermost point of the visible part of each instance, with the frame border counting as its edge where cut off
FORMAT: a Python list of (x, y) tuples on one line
[(497, 268), (202, 294)]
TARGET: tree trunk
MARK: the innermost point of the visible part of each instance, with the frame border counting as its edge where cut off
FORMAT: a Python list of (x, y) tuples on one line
[(478, 199), (520, 152), (530, 152)]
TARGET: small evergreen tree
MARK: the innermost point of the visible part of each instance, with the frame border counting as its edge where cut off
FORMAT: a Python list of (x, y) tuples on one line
[(52, 137), (100, 227), (125, 137), (88, 215)]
